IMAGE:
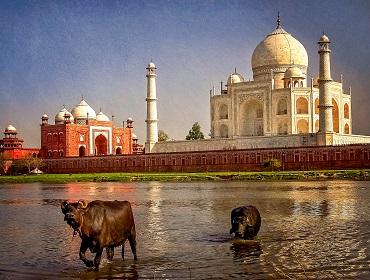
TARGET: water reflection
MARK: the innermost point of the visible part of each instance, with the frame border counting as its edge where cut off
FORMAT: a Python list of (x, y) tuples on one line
[(154, 222), (247, 252), (310, 230)]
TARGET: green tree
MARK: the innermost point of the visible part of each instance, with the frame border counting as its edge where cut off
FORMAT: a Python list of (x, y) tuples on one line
[(195, 133), (30, 163), (162, 136)]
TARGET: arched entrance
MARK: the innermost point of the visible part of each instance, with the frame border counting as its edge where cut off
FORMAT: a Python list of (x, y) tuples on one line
[(283, 128), (302, 105), (119, 151), (101, 145), (317, 124), (282, 108), (335, 116), (224, 112), (224, 131), (302, 126), (317, 106), (346, 129), (251, 118), (81, 151)]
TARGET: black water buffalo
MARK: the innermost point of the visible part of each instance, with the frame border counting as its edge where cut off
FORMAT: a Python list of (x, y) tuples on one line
[(245, 222), (101, 224)]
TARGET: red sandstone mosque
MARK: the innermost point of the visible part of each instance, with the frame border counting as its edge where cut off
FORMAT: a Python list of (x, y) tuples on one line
[(82, 132)]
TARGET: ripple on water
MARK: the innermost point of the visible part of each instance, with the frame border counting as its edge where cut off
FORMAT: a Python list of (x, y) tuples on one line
[(310, 230)]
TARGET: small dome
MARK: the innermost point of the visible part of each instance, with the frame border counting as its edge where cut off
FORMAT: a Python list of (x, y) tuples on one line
[(82, 110), (324, 39), (102, 117), (129, 119), (293, 72), (44, 116), (134, 136), (10, 128), (151, 65), (235, 78), (59, 117)]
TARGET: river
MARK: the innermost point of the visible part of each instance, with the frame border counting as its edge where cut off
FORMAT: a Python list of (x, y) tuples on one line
[(310, 230)]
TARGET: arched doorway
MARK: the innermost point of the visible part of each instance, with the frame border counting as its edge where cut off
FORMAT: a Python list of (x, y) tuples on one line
[(302, 105), (335, 116), (101, 145), (119, 151), (302, 126), (251, 118), (317, 124), (81, 151), (224, 112), (282, 108), (317, 106), (346, 111), (224, 131), (346, 129), (283, 128)]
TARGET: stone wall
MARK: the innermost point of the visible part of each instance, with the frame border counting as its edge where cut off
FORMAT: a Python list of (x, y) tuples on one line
[(302, 158)]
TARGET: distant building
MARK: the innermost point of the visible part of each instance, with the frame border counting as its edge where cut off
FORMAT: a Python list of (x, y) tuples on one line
[(11, 147), (82, 132)]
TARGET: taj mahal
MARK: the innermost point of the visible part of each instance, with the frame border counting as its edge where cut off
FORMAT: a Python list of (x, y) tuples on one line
[(279, 108)]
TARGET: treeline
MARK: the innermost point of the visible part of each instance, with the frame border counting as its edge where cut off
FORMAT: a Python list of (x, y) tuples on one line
[(20, 166)]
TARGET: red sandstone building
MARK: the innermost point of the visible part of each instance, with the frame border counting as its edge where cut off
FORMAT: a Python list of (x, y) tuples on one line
[(11, 147), (85, 133)]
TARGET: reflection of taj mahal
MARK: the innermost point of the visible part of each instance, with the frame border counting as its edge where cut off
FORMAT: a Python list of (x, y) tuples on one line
[(279, 107)]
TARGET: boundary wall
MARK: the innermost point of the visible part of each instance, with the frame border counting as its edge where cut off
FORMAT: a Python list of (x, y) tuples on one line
[(294, 158)]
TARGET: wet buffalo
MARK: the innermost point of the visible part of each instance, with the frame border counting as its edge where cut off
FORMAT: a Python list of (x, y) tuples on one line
[(101, 224), (245, 222)]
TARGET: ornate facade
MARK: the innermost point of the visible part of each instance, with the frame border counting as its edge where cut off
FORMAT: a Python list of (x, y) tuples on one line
[(11, 147), (279, 100), (84, 133)]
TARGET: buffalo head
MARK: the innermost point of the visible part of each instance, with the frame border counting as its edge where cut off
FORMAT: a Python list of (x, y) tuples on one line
[(245, 222), (73, 212)]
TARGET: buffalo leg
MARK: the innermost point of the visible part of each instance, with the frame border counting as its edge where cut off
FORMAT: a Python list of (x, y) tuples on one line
[(132, 241), (110, 253), (97, 258), (123, 250), (83, 248)]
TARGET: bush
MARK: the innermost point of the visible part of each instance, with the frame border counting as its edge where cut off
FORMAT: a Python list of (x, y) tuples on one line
[(272, 164)]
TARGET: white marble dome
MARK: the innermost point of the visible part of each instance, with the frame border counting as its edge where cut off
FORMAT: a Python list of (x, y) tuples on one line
[(235, 78), (293, 72), (10, 128), (102, 117), (59, 117), (278, 49), (324, 39), (151, 65), (82, 110)]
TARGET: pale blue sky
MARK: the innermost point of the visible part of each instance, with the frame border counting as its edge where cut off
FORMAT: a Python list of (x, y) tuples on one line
[(52, 52)]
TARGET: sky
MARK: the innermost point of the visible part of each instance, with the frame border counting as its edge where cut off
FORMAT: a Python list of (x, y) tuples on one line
[(53, 52)]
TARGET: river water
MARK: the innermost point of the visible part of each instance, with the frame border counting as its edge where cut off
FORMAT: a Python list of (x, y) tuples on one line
[(310, 230)]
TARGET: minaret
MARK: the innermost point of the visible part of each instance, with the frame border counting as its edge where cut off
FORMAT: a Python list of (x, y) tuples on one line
[(151, 109), (325, 97)]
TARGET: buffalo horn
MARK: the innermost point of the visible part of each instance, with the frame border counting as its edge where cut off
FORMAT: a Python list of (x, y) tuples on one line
[(83, 203)]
